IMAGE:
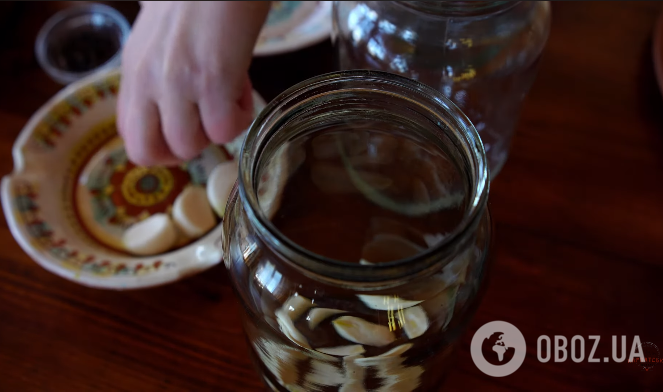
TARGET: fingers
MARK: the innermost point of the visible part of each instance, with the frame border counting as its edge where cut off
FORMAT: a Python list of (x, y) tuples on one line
[(141, 131), (225, 114), (182, 128)]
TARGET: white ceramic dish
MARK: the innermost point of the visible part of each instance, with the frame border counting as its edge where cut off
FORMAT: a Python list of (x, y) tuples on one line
[(72, 193), (293, 25)]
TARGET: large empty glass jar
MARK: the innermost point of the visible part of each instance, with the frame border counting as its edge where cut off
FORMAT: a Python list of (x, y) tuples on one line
[(482, 55)]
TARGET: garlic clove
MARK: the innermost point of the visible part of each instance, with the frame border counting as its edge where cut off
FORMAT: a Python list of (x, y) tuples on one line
[(192, 212), (151, 236), (415, 322), (219, 184), (360, 331), (296, 305), (384, 302), (317, 315), (289, 330)]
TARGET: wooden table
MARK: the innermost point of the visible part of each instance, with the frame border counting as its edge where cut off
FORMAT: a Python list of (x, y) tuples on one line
[(578, 211)]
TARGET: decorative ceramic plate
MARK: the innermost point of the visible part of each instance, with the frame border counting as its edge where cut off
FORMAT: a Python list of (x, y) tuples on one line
[(292, 25), (73, 193)]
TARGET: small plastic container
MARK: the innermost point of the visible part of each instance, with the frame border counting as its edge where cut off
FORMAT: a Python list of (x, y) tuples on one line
[(80, 41)]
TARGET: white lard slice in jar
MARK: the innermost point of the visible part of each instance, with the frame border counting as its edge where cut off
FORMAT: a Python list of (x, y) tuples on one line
[(192, 212), (151, 236), (360, 331), (343, 351), (317, 315), (415, 322), (296, 305), (385, 302), (219, 184), (289, 330)]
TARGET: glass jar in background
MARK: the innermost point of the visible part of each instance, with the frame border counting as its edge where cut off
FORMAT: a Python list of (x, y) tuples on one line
[(358, 234), (483, 55)]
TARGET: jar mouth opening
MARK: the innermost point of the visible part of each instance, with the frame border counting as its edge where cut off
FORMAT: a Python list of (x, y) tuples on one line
[(459, 8), (326, 88)]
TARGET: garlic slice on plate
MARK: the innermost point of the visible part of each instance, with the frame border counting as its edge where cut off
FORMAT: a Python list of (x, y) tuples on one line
[(360, 331), (343, 351), (296, 305), (415, 322), (289, 330), (317, 315), (192, 212), (385, 302), (151, 236)]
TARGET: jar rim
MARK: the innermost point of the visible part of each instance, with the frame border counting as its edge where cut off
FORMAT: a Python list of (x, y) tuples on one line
[(286, 105), (459, 8)]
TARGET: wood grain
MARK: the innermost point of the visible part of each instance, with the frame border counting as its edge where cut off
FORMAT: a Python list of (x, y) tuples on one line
[(578, 211)]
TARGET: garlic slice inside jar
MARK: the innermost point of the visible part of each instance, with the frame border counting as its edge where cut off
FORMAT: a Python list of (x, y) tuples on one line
[(415, 322), (289, 330), (317, 315), (296, 305), (385, 302), (360, 331)]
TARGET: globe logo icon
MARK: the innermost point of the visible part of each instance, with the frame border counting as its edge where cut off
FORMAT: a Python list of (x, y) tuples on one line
[(498, 348)]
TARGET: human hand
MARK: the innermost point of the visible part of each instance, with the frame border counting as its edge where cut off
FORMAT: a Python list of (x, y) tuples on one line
[(184, 78)]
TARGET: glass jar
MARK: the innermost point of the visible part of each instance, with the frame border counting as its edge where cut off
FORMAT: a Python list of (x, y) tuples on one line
[(387, 318), (483, 55)]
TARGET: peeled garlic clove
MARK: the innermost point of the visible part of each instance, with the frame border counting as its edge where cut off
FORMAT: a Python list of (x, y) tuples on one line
[(384, 302), (192, 212), (361, 331), (150, 236), (289, 330), (415, 322), (317, 315), (219, 184), (343, 351), (296, 305)]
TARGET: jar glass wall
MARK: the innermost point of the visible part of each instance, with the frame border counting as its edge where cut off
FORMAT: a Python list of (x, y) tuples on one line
[(358, 235), (483, 55)]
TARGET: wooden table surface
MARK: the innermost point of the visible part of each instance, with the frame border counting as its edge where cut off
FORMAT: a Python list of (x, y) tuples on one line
[(578, 211)]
